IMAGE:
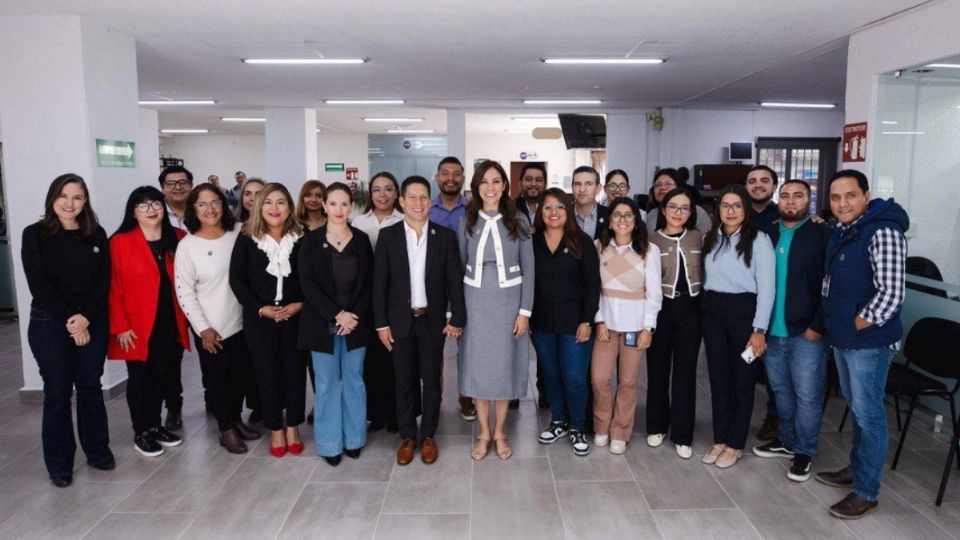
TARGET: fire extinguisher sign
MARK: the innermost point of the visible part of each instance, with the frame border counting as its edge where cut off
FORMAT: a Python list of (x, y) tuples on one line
[(855, 142)]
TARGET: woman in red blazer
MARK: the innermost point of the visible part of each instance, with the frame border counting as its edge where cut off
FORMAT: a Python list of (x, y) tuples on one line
[(147, 326)]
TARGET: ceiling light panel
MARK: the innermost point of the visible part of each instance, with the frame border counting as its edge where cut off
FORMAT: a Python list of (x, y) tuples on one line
[(248, 119), (184, 131), (364, 101), (562, 102), (604, 61), (177, 102), (393, 119), (789, 105), (302, 61)]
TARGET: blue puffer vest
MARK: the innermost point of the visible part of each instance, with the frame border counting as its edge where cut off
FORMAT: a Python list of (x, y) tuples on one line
[(850, 275)]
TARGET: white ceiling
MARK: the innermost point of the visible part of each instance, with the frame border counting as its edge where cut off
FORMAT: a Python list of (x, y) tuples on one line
[(478, 56)]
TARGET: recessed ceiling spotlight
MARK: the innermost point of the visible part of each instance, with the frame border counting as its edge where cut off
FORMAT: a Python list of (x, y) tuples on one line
[(945, 66), (250, 119), (393, 119), (562, 102), (604, 61), (303, 61), (364, 101), (791, 105), (177, 102), (184, 131), (411, 131)]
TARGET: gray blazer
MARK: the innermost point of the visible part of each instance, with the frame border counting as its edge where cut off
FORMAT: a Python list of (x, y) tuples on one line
[(514, 257)]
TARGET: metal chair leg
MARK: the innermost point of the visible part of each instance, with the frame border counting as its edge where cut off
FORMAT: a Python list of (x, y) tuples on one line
[(954, 442), (903, 433), (956, 425), (843, 420), (896, 406)]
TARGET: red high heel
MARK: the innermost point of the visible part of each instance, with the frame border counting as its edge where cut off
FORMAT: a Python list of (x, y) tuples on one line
[(278, 451), (295, 448)]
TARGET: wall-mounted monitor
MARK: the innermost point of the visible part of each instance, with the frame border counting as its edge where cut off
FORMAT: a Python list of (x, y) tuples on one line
[(741, 151)]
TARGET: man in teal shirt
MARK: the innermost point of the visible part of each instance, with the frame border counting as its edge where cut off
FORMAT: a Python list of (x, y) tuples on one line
[(795, 359)]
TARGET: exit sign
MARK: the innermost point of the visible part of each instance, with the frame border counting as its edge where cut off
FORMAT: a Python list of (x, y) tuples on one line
[(115, 153), (333, 167)]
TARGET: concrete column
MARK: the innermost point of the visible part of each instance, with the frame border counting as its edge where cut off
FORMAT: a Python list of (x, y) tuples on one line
[(291, 140), (457, 135), (66, 82), (149, 147), (627, 147)]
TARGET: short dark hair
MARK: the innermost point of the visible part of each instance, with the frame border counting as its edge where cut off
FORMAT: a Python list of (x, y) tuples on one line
[(804, 183), (773, 173), (674, 174), (851, 173), (537, 166), (175, 169), (616, 172), (587, 169), (449, 159), (411, 180), (190, 219)]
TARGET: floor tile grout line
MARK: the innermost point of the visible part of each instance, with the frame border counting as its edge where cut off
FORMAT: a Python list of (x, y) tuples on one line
[(303, 488), (376, 526), (207, 503), (736, 504), (645, 500), (556, 493)]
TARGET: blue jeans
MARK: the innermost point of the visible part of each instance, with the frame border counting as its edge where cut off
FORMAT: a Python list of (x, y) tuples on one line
[(340, 400), (797, 374), (863, 375), (565, 365)]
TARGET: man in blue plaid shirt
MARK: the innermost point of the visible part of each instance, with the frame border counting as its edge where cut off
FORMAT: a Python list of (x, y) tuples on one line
[(862, 291)]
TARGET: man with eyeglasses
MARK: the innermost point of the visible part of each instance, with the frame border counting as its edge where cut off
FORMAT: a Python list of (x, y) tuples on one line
[(591, 215), (447, 209), (176, 182), (533, 180)]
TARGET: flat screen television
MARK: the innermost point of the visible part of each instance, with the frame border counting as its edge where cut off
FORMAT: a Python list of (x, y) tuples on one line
[(741, 151), (583, 130)]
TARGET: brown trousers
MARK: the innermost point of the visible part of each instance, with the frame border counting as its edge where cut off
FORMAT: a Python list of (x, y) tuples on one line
[(614, 416)]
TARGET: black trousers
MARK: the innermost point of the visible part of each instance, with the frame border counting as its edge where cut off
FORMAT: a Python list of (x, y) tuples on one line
[(146, 382), (672, 370), (225, 371), (280, 370), (418, 357), (727, 324), (173, 384), (63, 367), (379, 380)]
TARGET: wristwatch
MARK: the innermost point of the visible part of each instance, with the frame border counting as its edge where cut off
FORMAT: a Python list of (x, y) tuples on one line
[(760, 331)]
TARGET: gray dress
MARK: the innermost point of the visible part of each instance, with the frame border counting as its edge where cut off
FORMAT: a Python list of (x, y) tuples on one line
[(493, 364)]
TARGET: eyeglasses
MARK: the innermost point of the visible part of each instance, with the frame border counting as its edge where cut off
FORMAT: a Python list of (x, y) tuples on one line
[(147, 206), (613, 186), (677, 209), (388, 190), (622, 216), (177, 184), (736, 207), (554, 207), (212, 204), (664, 184)]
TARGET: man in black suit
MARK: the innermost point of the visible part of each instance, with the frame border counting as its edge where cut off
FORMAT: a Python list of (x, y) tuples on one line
[(417, 300), (591, 215), (533, 180)]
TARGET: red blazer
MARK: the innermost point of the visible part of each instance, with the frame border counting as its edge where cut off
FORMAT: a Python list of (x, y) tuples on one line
[(134, 287)]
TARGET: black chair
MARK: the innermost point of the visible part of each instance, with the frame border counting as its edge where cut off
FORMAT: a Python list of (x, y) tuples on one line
[(924, 267)]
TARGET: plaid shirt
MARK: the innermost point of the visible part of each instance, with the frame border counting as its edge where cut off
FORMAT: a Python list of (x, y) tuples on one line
[(888, 258)]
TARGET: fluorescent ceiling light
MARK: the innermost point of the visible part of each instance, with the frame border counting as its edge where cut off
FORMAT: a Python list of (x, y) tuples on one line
[(527, 131), (533, 118), (562, 102), (388, 119), (903, 133), (251, 119), (177, 102), (364, 101), (889, 123), (947, 66), (411, 131), (182, 131), (302, 61), (607, 61), (797, 105)]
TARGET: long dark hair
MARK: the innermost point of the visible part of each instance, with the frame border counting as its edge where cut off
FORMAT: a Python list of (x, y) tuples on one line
[(396, 187), (506, 206), (638, 236), (691, 222), (748, 229), (673, 174), (87, 219), (571, 231), (190, 219), (168, 236)]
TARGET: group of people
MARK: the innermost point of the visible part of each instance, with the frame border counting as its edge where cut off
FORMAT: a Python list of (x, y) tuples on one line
[(365, 300)]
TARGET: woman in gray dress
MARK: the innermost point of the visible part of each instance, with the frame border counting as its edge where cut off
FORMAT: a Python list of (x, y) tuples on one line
[(497, 254)]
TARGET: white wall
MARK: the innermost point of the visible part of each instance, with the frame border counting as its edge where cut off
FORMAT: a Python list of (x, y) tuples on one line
[(148, 147), (506, 147), (351, 150)]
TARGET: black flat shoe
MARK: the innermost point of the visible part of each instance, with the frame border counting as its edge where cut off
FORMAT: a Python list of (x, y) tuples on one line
[(375, 426), (392, 427), (174, 420), (310, 417), (353, 453), (333, 460), (105, 464), (246, 432), (62, 481)]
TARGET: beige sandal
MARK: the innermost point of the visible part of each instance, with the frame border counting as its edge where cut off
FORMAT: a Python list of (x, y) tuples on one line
[(713, 454), (729, 458), (503, 449), (480, 448)]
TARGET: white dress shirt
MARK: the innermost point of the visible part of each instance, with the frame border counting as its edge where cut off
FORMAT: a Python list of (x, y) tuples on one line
[(176, 222), (369, 224), (417, 259)]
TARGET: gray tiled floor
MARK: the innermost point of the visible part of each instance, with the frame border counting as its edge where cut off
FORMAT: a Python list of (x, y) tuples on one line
[(200, 491)]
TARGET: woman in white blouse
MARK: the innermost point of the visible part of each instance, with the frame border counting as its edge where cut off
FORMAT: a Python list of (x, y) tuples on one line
[(383, 207), (202, 271), (630, 298)]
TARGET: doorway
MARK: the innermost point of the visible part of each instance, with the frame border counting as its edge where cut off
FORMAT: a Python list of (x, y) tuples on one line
[(813, 160)]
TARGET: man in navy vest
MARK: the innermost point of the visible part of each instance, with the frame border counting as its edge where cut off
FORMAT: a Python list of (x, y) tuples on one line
[(862, 292)]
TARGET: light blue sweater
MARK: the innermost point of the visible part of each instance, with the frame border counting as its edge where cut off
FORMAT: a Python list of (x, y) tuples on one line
[(726, 273)]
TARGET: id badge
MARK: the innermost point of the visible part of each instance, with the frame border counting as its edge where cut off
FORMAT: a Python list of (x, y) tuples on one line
[(825, 288)]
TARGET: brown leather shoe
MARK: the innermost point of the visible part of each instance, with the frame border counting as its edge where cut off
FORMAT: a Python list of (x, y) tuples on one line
[(853, 507), (428, 450), (841, 478), (467, 409), (230, 440), (768, 431), (406, 450), (246, 432)]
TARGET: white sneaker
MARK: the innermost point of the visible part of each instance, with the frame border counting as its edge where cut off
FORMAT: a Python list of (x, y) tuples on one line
[(601, 440), (656, 439), (684, 451), (618, 447)]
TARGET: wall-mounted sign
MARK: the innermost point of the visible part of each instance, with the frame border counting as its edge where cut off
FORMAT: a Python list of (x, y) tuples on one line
[(528, 155), (855, 142), (353, 173), (115, 153), (333, 167)]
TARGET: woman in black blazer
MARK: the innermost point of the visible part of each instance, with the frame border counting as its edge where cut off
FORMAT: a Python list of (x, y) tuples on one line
[(336, 272)]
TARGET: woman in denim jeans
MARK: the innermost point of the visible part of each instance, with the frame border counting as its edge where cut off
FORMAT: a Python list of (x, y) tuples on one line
[(67, 266)]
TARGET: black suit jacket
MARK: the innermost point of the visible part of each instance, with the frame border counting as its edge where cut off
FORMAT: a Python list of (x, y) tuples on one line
[(602, 220), (443, 275), (320, 306)]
